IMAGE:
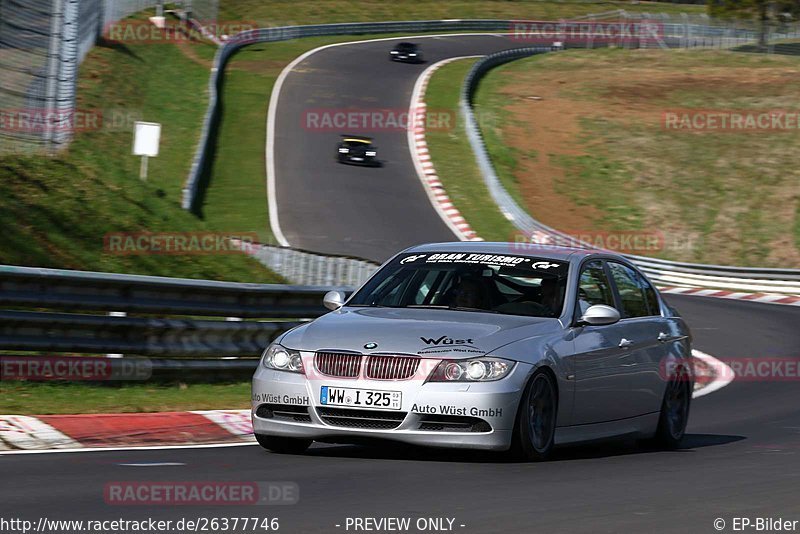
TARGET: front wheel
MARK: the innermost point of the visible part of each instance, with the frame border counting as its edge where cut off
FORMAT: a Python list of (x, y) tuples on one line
[(535, 427), (674, 411), (283, 445)]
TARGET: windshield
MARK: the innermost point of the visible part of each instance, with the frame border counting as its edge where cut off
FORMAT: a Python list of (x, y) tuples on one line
[(493, 283)]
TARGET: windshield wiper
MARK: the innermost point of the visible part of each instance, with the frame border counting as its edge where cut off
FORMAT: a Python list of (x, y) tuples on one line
[(467, 308), (456, 308), (372, 306)]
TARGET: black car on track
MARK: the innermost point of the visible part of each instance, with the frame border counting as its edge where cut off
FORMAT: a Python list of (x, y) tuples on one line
[(357, 150), (406, 52)]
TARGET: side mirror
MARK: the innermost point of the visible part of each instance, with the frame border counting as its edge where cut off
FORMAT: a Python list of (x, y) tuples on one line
[(599, 315), (334, 300)]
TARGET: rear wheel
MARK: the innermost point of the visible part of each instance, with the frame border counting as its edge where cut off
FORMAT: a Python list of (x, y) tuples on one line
[(674, 411), (535, 428), (282, 445)]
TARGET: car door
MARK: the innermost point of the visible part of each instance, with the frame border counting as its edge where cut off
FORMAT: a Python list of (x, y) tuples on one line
[(602, 386), (644, 328)]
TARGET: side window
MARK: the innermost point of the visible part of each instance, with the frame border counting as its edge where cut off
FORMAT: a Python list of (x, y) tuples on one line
[(593, 287), (634, 292), (652, 299)]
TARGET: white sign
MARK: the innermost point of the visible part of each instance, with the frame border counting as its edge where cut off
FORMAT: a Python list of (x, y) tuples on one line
[(146, 139)]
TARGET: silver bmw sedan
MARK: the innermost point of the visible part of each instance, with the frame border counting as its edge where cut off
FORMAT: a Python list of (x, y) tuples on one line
[(497, 346)]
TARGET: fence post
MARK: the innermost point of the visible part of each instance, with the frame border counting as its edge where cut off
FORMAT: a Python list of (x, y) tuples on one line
[(56, 25), (67, 69)]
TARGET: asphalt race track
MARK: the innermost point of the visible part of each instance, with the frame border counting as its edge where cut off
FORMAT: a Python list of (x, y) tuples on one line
[(365, 212), (741, 457)]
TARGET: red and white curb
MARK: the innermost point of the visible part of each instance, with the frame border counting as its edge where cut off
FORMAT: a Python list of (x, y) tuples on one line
[(418, 146), (767, 298), (69, 432)]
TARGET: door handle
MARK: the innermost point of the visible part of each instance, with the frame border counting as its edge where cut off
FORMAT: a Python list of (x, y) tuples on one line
[(625, 343), (663, 337)]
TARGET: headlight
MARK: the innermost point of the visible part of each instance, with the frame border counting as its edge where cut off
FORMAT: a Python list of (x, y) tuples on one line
[(395, 52), (282, 359), (412, 54), (344, 150), (371, 153), (479, 370)]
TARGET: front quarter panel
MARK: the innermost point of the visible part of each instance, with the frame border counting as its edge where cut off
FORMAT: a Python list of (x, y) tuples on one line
[(552, 352)]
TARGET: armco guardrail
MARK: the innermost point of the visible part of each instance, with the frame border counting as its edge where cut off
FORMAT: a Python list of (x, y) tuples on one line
[(78, 290), (166, 335), (677, 33), (662, 272)]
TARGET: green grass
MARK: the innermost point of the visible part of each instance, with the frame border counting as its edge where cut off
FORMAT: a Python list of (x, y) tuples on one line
[(56, 210), (285, 12), (31, 398), (729, 198), (453, 157)]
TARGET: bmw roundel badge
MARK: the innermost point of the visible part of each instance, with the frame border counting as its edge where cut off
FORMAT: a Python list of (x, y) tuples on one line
[(371, 346)]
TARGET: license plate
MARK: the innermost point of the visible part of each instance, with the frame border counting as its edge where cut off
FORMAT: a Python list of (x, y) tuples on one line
[(357, 159), (363, 398)]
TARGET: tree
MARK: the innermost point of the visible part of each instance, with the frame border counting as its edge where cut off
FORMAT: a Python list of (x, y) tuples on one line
[(764, 12)]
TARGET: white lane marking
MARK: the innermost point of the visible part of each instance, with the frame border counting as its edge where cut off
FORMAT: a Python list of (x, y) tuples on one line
[(723, 374), (153, 464), (272, 199), (127, 448)]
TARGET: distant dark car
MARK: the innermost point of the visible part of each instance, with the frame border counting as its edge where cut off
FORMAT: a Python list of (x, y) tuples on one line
[(357, 150), (406, 52)]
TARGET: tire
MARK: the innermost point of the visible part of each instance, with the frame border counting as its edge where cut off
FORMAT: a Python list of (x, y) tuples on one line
[(674, 411), (283, 445), (535, 427)]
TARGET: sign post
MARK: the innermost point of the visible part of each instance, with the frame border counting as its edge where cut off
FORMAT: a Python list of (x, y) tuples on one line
[(146, 141)]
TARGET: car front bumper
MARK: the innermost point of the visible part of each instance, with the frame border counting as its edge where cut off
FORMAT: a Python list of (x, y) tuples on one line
[(404, 58), (366, 161), (494, 403)]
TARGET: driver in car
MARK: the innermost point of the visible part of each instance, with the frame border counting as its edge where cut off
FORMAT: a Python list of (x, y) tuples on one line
[(470, 293)]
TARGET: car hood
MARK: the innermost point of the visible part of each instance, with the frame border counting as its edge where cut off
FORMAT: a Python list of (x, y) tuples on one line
[(415, 331)]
